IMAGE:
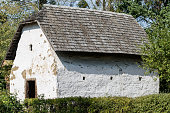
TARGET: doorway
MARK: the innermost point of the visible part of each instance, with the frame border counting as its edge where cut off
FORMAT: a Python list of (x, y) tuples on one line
[(31, 90)]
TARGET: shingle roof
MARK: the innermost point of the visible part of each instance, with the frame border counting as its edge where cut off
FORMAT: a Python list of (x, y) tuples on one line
[(85, 30)]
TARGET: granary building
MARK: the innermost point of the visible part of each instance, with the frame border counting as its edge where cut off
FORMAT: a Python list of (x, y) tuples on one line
[(64, 52)]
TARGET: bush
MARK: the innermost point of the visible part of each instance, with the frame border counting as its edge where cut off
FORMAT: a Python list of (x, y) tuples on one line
[(60, 105), (110, 105), (9, 104), (150, 104), (4, 73)]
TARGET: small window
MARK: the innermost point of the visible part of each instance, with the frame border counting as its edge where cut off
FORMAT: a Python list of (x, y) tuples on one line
[(83, 78), (30, 47), (111, 78), (140, 78)]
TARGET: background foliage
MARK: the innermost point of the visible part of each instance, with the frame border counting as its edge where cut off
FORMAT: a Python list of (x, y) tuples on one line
[(157, 52), (9, 103), (11, 13)]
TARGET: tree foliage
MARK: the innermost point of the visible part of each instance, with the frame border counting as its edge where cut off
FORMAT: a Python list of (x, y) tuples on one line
[(83, 4), (11, 13), (157, 51), (143, 10)]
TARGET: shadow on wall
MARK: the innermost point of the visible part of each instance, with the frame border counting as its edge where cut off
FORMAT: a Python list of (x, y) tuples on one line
[(99, 63)]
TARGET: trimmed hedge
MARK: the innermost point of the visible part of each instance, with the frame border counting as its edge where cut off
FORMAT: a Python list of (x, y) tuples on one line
[(9, 104), (60, 105), (151, 103), (110, 104)]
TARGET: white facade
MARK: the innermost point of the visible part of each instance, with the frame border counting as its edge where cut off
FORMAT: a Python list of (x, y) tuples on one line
[(65, 74), (40, 64)]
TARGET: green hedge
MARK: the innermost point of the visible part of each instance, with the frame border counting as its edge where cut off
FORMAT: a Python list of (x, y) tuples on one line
[(152, 103), (110, 104), (159, 103), (9, 104), (60, 105)]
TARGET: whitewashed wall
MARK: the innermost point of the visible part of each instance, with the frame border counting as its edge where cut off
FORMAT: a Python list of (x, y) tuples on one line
[(40, 63), (98, 72)]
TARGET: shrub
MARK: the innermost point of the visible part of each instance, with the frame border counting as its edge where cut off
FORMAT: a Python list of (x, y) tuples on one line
[(152, 103), (110, 104), (9, 104), (4, 72), (60, 105)]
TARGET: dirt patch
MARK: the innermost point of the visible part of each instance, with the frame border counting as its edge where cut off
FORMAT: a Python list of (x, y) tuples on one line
[(13, 76), (54, 68), (55, 71), (12, 72), (30, 72), (14, 68), (40, 35), (24, 74)]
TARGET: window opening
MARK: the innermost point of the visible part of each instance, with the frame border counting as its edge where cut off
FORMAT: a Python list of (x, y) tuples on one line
[(111, 78), (83, 78), (30, 47)]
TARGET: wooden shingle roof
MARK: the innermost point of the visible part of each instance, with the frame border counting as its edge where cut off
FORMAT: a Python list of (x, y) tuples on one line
[(85, 30)]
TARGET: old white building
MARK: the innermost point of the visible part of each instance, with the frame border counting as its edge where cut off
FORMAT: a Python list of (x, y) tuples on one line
[(63, 52)]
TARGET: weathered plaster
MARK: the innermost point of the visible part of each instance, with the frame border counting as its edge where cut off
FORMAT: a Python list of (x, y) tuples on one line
[(15, 68), (37, 64), (104, 76), (24, 74)]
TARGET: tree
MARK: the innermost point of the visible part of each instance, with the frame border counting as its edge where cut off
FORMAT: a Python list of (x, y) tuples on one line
[(11, 13), (41, 2), (83, 4), (144, 11), (53, 2), (3, 17), (157, 52)]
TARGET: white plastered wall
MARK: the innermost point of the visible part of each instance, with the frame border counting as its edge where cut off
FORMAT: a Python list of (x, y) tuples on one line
[(39, 64), (103, 76)]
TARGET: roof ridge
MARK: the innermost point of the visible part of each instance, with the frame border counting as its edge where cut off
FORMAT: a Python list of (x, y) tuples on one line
[(85, 9)]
